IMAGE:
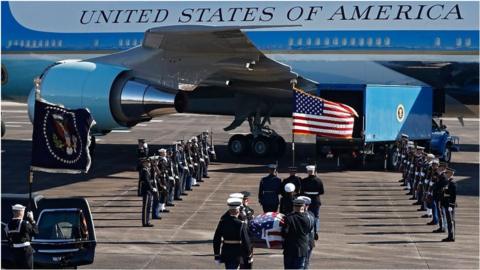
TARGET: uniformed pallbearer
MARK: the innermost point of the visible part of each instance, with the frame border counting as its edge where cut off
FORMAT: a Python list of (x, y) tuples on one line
[(296, 231), (147, 190), (269, 189), (231, 243), (20, 233), (248, 211)]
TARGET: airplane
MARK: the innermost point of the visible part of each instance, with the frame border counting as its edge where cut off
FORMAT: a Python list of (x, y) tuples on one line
[(129, 62)]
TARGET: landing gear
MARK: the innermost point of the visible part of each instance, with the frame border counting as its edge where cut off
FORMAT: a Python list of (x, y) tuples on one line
[(261, 146)]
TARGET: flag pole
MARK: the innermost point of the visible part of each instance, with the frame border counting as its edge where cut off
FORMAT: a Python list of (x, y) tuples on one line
[(293, 148)]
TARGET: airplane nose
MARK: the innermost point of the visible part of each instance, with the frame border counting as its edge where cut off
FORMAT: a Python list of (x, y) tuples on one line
[(140, 102)]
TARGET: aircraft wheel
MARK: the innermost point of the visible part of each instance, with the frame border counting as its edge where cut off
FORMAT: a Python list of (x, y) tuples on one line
[(237, 145), (3, 128), (278, 146), (447, 154), (261, 146)]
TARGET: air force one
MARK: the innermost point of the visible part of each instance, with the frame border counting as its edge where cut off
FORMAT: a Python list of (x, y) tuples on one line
[(131, 61)]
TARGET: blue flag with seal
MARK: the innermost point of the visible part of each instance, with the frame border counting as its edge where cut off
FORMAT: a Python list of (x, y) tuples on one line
[(61, 139)]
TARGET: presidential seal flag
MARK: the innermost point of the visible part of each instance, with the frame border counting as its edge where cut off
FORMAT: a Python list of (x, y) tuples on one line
[(61, 138)]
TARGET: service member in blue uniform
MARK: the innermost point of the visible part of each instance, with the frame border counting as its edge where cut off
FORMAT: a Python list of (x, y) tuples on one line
[(147, 190), (231, 242), (19, 234), (296, 230), (286, 203), (449, 203), (312, 236), (248, 211), (312, 187), (440, 183), (269, 189), (294, 179)]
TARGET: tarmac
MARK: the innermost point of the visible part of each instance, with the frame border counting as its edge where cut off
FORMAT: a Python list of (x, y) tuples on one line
[(367, 221)]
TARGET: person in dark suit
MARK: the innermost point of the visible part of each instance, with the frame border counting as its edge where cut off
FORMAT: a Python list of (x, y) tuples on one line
[(231, 242), (296, 231), (269, 189)]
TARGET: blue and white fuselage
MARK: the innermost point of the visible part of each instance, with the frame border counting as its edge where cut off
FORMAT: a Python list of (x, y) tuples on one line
[(329, 42)]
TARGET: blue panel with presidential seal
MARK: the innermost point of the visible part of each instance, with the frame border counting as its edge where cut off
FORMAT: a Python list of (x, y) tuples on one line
[(393, 110)]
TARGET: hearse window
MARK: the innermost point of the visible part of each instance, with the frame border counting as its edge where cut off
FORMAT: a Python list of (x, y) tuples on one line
[(62, 224)]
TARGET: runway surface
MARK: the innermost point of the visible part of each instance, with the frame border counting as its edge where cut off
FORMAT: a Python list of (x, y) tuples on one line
[(367, 220)]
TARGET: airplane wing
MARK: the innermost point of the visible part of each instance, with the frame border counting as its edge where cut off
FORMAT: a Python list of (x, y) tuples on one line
[(186, 57)]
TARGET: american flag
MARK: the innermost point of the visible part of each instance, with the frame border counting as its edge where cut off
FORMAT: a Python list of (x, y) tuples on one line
[(314, 115), (266, 230)]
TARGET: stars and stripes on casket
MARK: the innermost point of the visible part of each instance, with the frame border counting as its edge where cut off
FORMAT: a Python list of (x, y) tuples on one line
[(318, 116), (266, 230)]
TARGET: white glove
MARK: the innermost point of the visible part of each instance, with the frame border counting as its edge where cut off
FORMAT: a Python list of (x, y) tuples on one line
[(217, 262), (30, 216), (155, 190), (450, 209)]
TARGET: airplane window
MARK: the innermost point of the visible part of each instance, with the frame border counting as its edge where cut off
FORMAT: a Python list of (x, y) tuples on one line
[(386, 41), (27, 44), (127, 42), (317, 41), (326, 41), (309, 41), (290, 42), (22, 43), (9, 44), (344, 41), (458, 43), (59, 43), (40, 43), (47, 43), (120, 42), (57, 225), (438, 42), (378, 41), (53, 43), (335, 41), (15, 43), (352, 41), (361, 41), (299, 42), (468, 42), (96, 42), (34, 44), (369, 42), (135, 42)]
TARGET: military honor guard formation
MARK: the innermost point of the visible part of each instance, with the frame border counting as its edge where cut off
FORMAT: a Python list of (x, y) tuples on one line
[(430, 183), (165, 176)]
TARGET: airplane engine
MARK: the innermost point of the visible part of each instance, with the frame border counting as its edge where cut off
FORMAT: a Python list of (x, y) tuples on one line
[(115, 98)]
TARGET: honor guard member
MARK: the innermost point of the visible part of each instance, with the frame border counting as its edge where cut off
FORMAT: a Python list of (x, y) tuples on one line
[(402, 149), (437, 188), (432, 176), (142, 150), (247, 209), (269, 189), (292, 179), (312, 187), (449, 204), (19, 234), (296, 229), (147, 192), (231, 243), (238, 196), (313, 236), (286, 203)]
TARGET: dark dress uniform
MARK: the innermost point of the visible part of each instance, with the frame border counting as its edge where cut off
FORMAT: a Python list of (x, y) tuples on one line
[(312, 187), (20, 233), (286, 203), (236, 247), (437, 189), (295, 231), (449, 201), (269, 189), (147, 193)]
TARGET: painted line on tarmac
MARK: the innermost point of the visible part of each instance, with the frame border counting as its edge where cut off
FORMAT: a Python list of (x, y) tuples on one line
[(464, 119), (121, 131), (13, 125), (156, 121), (20, 122)]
